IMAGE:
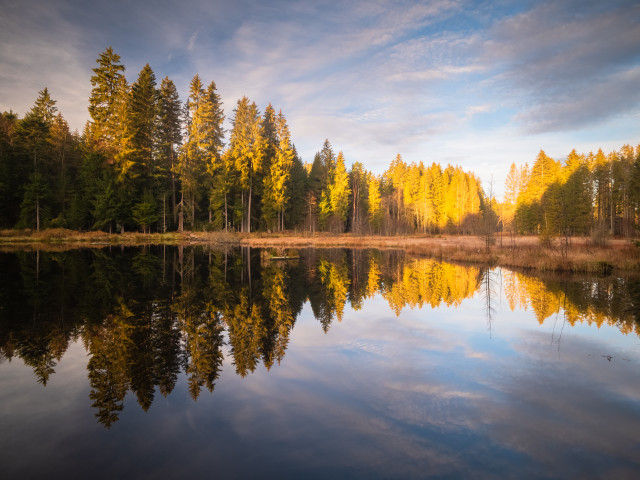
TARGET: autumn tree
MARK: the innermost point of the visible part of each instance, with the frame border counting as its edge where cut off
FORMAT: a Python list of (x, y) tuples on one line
[(276, 195), (202, 150), (246, 148), (107, 84)]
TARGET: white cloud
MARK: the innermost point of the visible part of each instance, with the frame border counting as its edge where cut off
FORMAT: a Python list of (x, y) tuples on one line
[(192, 41), (376, 78), (567, 64)]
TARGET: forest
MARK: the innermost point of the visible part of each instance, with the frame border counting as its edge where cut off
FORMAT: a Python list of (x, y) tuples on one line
[(148, 161)]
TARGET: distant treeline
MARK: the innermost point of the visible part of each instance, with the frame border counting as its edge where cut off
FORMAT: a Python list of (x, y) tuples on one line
[(147, 161), (587, 194)]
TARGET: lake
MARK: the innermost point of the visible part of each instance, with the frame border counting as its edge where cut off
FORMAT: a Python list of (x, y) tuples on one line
[(170, 362)]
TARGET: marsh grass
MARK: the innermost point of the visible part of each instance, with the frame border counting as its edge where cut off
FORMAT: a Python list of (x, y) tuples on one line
[(578, 255)]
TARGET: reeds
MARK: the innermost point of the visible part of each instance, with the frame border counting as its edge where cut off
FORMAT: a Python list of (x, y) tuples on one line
[(579, 255)]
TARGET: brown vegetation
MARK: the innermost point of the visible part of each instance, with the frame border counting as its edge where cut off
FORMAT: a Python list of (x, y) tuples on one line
[(526, 252)]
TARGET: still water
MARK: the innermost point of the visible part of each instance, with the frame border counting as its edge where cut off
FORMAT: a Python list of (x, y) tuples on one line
[(174, 362)]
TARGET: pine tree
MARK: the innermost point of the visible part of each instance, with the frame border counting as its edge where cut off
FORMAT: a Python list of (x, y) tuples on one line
[(107, 82), (358, 182), (197, 151), (143, 119), (297, 188), (213, 139), (169, 137), (396, 175), (12, 172), (339, 192), (276, 196), (246, 148), (374, 201), (32, 134), (531, 214), (63, 144), (576, 196)]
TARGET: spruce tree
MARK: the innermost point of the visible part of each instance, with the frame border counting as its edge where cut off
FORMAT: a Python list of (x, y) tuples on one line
[(213, 140), (275, 196), (193, 162), (246, 147), (144, 123), (169, 139), (107, 82)]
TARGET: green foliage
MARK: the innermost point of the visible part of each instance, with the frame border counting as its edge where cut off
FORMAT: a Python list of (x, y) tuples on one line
[(246, 149), (145, 213), (107, 85), (34, 210)]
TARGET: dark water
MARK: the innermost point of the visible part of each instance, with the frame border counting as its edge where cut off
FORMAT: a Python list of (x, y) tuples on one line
[(170, 363)]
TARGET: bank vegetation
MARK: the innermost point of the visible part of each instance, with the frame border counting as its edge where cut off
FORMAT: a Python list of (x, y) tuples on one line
[(579, 254)]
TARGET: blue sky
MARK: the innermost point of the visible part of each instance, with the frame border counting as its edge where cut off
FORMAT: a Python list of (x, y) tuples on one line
[(475, 83)]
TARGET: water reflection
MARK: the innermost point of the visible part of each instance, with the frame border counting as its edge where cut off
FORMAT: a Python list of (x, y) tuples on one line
[(147, 316)]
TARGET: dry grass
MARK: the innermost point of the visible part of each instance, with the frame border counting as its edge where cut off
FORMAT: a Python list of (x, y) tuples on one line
[(524, 252), (62, 239)]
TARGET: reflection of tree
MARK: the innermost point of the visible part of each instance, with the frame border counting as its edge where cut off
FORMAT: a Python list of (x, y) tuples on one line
[(166, 338), (591, 300), (373, 279), (109, 345), (246, 331), (515, 295), (488, 293), (335, 279), (280, 313), (144, 320), (146, 266), (428, 281), (204, 347), (140, 358), (201, 327)]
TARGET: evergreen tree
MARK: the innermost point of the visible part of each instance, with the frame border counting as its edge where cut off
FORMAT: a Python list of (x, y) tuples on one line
[(297, 187), (532, 214), (32, 135), (374, 201), (339, 191), (107, 82), (213, 141), (246, 147), (11, 172), (195, 156), (358, 182), (276, 196), (169, 140), (64, 149), (144, 122)]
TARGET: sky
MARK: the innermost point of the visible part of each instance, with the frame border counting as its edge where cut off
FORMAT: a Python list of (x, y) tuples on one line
[(480, 84)]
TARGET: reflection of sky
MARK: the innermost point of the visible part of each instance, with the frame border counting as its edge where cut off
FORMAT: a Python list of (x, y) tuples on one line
[(432, 392)]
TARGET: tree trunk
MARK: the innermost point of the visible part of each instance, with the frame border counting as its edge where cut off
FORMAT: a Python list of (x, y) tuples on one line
[(249, 210), (243, 220), (193, 210), (181, 215), (173, 199)]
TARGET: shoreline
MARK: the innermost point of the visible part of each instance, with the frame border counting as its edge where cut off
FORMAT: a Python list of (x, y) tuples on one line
[(525, 252)]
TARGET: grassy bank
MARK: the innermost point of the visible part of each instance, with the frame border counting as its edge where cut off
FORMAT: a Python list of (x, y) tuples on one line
[(59, 238), (524, 252)]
